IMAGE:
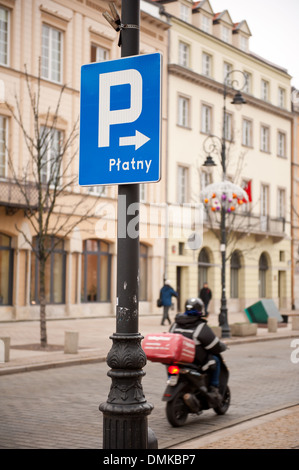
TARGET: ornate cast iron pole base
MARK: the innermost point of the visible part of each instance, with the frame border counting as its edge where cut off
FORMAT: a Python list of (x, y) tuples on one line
[(223, 323), (126, 410)]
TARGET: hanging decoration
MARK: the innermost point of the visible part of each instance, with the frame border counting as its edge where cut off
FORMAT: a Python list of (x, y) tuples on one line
[(225, 195)]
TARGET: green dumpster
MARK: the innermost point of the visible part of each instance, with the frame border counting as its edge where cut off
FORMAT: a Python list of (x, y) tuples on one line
[(262, 310)]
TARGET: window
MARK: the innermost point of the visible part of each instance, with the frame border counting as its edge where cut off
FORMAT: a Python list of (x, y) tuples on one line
[(281, 144), (143, 257), (98, 53), (184, 54), (206, 119), (281, 200), (6, 270), (182, 184), (265, 90), (4, 35), (247, 133), (265, 139), (96, 271), (264, 207), (3, 146), (142, 189), (205, 179), (248, 83), (98, 190), (205, 24), (244, 43), (225, 33), (235, 266), (206, 65), (227, 68), (55, 273), (51, 54), (281, 97), (184, 12), (183, 117), (50, 155)]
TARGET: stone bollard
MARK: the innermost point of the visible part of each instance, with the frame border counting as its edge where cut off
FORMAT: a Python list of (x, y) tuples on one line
[(71, 339), (4, 348), (272, 325), (295, 322)]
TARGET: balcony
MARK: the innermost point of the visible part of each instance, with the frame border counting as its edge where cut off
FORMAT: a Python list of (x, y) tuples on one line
[(17, 195), (260, 226)]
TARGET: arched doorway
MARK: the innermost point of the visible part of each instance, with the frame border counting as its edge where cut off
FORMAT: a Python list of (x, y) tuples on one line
[(203, 267), (263, 267), (235, 266)]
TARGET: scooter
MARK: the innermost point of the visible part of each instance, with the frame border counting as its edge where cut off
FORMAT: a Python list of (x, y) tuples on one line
[(187, 392)]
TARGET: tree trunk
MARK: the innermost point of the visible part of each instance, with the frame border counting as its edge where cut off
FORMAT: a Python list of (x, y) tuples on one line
[(42, 299)]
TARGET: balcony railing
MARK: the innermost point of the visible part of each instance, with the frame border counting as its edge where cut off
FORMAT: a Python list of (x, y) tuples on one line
[(249, 223), (18, 195)]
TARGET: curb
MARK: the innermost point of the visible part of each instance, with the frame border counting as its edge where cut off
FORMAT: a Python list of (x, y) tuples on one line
[(96, 359), (51, 365)]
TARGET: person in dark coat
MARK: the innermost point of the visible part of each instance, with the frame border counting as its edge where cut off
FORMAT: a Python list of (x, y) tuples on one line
[(166, 294), (193, 326), (205, 295)]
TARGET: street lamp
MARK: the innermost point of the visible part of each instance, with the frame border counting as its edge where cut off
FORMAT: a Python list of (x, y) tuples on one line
[(225, 192)]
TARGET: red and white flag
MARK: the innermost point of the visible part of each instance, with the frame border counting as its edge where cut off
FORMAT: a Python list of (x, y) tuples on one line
[(247, 189)]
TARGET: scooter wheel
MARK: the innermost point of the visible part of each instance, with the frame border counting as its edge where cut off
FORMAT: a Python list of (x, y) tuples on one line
[(223, 407), (177, 411)]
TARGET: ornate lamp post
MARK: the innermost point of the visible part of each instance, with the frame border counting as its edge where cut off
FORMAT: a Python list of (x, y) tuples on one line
[(126, 410), (222, 196)]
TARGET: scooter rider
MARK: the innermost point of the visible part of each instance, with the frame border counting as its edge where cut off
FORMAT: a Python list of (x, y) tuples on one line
[(192, 325)]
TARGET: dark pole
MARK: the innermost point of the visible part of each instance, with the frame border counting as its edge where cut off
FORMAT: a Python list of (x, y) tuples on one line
[(223, 321), (126, 410)]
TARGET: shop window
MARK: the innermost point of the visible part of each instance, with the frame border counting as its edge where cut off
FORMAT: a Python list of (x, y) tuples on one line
[(55, 272), (96, 271), (143, 262), (6, 270)]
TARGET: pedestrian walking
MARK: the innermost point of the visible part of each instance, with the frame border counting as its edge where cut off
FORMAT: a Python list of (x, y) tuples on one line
[(166, 294), (205, 295)]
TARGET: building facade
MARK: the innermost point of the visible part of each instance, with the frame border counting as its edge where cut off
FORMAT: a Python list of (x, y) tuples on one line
[(59, 36), (200, 49), (295, 200), (205, 48)]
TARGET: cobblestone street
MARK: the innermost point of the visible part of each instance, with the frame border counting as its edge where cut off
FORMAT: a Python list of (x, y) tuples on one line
[(58, 408)]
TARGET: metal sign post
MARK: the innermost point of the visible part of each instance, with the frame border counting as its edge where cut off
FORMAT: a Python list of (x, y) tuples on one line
[(126, 410)]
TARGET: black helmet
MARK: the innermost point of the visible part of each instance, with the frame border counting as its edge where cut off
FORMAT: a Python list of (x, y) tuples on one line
[(194, 305)]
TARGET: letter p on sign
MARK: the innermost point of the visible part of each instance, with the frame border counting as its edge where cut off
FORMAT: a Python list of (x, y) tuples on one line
[(107, 117)]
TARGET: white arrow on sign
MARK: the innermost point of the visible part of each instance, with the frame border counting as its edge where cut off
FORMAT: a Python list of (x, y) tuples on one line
[(138, 140)]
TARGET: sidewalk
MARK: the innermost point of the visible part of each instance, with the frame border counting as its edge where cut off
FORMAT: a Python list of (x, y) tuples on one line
[(94, 341), (277, 430)]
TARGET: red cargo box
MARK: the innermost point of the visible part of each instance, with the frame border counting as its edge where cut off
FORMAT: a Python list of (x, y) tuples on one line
[(168, 348)]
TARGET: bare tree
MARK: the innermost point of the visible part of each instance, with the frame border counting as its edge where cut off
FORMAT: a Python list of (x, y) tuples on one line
[(46, 184), (240, 223)]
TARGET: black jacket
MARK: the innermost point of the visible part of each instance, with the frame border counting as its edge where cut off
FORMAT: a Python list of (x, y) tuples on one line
[(207, 343), (205, 294)]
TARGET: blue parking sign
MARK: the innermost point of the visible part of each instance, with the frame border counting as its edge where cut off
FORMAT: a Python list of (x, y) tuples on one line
[(120, 121)]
